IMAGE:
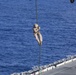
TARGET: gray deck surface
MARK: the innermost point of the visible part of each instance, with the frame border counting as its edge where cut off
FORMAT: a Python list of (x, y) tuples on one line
[(67, 69)]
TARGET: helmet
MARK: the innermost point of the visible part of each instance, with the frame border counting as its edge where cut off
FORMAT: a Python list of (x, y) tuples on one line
[(36, 25)]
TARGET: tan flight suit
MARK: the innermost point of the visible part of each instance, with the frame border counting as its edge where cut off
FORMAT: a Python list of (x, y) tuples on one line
[(37, 34)]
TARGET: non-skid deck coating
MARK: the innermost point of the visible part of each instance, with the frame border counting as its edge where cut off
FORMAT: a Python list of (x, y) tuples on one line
[(66, 69)]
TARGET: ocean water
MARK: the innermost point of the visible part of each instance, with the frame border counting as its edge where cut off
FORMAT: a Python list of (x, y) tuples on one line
[(19, 51)]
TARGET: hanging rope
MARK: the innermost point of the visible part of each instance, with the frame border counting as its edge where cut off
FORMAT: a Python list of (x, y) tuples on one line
[(36, 11), (39, 59), (38, 36)]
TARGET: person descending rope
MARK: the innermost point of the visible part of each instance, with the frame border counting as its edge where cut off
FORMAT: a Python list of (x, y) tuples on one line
[(37, 34)]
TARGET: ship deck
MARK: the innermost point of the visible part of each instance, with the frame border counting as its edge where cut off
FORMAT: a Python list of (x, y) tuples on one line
[(65, 66), (66, 69)]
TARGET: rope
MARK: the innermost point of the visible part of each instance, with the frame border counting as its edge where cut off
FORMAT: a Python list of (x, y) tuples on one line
[(39, 58), (36, 11), (39, 45)]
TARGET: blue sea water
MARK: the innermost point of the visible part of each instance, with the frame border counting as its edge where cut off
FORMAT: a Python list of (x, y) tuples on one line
[(19, 51)]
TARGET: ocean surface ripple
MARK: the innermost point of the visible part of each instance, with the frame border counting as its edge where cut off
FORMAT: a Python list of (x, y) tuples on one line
[(19, 51)]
